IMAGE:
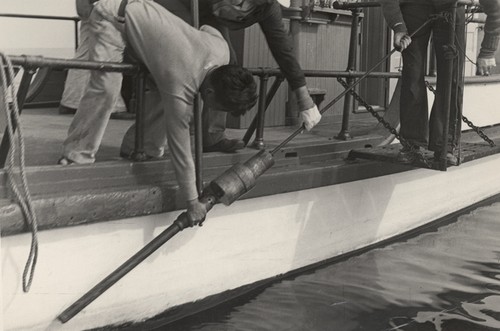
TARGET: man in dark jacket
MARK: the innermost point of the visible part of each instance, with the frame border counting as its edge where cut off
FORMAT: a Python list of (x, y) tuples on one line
[(228, 15)]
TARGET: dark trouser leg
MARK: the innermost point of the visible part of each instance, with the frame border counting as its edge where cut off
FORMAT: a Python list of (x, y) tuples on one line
[(437, 120), (413, 104)]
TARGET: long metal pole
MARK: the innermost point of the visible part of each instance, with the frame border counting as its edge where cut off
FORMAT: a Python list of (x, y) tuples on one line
[(261, 113), (351, 66)]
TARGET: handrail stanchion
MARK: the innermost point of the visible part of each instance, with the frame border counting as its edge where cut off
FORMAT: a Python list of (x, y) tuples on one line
[(258, 143), (140, 106), (77, 40), (351, 66), (446, 98), (270, 95)]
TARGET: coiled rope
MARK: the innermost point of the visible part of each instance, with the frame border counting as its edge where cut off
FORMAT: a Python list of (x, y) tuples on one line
[(24, 200)]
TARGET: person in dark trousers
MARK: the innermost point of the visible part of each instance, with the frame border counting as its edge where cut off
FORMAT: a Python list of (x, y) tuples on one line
[(405, 17)]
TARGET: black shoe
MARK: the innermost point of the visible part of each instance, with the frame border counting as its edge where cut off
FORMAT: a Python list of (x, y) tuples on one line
[(63, 110), (225, 146), (450, 158), (409, 155)]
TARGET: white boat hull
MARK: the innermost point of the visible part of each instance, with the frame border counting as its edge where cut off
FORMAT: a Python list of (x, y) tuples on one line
[(251, 240)]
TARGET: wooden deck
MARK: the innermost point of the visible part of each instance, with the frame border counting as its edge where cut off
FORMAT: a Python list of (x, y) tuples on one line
[(115, 188), (44, 131)]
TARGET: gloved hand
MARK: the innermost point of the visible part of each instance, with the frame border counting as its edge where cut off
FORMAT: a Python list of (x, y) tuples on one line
[(401, 41), (310, 117), (484, 66)]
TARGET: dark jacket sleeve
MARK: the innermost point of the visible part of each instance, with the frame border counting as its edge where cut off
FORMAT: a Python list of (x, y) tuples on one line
[(281, 46), (393, 16), (491, 28)]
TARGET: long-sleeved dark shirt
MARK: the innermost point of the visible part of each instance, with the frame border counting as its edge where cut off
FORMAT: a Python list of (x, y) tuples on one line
[(489, 45), (267, 13)]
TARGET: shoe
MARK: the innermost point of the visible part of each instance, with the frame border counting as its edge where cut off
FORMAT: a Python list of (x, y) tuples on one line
[(450, 158), (122, 115), (225, 146), (64, 161), (409, 155), (63, 110)]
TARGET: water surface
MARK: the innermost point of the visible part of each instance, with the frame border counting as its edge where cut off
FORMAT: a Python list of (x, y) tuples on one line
[(444, 279)]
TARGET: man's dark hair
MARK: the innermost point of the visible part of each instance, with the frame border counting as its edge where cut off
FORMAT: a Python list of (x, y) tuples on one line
[(234, 88)]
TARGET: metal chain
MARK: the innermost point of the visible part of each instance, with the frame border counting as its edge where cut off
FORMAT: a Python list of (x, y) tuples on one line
[(476, 129), (418, 157), (372, 111)]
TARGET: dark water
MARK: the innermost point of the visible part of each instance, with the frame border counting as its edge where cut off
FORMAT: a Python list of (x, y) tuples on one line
[(444, 279)]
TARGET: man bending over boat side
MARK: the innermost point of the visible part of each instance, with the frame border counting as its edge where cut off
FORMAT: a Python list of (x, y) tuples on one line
[(182, 61), (107, 44), (228, 15)]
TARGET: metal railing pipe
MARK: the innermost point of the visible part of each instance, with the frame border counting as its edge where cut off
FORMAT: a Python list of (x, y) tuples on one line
[(140, 90), (351, 66), (327, 73), (261, 113), (446, 98), (41, 61), (352, 5), (270, 95)]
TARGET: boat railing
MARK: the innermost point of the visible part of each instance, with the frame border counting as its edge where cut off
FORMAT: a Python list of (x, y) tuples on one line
[(350, 74)]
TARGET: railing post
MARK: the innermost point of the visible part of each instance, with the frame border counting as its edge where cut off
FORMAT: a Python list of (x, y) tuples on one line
[(351, 66), (446, 99), (140, 90), (270, 95), (258, 143)]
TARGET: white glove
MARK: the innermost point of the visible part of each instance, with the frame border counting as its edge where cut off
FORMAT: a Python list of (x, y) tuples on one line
[(310, 117), (484, 66)]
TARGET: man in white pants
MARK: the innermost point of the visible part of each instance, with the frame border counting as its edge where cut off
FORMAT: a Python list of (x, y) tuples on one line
[(183, 62)]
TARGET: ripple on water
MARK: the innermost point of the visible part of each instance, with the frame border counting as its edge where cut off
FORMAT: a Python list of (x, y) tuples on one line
[(448, 279)]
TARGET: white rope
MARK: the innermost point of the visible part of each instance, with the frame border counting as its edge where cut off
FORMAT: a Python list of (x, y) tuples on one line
[(25, 201)]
